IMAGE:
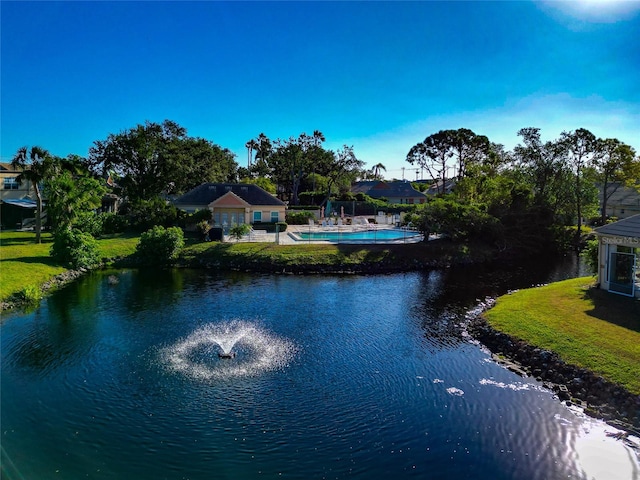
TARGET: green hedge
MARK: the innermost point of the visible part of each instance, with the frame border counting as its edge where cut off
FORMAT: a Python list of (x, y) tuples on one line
[(271, 227)]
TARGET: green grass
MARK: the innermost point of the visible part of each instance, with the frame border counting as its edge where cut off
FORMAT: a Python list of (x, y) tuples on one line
[(331, 255), (24, 263), (586, 326)]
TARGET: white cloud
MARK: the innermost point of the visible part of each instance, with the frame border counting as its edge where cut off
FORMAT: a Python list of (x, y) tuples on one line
[(590, 11), (551, 113)]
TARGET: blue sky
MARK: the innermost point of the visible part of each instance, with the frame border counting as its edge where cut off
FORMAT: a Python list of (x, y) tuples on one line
[(375, 75)]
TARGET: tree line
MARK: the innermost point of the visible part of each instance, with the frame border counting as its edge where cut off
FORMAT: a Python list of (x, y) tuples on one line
[(524, 192), (537, 183)]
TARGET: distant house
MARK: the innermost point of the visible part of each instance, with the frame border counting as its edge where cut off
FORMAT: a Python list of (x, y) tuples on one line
[(622, 202), (16, 198), (395, 192), (233, 203), (438, 187), (10, 187), (619, 256)]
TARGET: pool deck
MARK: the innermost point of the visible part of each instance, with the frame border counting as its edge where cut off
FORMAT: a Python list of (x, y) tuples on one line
[(291, 237)]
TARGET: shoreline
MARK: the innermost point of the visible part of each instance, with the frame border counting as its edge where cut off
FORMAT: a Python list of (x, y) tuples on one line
[(596, 396)]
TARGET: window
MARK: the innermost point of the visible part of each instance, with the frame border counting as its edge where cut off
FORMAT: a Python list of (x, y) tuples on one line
[(274, 217), (257, 217), (11, 183), (216, 218)]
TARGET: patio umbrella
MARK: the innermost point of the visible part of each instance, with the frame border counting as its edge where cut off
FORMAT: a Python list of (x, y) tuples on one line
[(342, 212)]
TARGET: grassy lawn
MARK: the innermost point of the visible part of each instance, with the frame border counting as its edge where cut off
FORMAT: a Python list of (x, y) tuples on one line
[(330, 255), (587, 327), (24, 263)]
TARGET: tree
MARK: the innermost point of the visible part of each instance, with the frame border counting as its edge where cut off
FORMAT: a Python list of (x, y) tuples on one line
[(543, 166), (318, 138), (463, 146), (251, 146), (153, 158), (263, 182), (290, 163), (615, 165), (36, 165), (468, 149), (345, 167), (195, 161), (376, 170), (264, 149), (433, 154), (580, 149), (69, 196)]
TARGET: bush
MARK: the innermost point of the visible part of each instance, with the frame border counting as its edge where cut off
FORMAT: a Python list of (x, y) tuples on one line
[(590, 255), (159, 245), (456, 220), (147, 213), (238, 230), (75, 249), (114, 223), (203, 228), (90, 222), (271, 227), (299, 218), (29, 295)]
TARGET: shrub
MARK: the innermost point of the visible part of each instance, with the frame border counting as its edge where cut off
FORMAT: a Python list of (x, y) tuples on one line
[(271, 227), (114, 223), (299, 218), (29, 295), (159, 245), (199, 215), (590, 255), (203, 228), (90, 222), (239, 230), (75, 249), (456, 220), (147, 213)]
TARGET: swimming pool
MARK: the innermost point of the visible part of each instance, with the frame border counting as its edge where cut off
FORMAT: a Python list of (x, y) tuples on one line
[(360, 236)]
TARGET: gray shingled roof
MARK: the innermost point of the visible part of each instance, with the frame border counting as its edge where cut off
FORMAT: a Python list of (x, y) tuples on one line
[(378, 189), (208, 192), (628, 227)]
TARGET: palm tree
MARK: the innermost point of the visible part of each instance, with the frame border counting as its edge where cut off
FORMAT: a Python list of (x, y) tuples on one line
[(251, 144), (318, 137), (36, 164), (263, 147), (376, 169)]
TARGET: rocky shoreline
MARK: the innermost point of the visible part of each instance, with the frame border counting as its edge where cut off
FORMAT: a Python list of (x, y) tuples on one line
[(596, 396)]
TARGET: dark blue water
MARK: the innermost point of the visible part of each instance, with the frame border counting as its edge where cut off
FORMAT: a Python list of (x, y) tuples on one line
[(375, 380)]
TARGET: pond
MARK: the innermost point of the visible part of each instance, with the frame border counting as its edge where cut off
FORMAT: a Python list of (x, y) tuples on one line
[(120, 375)]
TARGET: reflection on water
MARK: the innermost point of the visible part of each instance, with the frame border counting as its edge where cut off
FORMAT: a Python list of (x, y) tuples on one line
[(334, 377)]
